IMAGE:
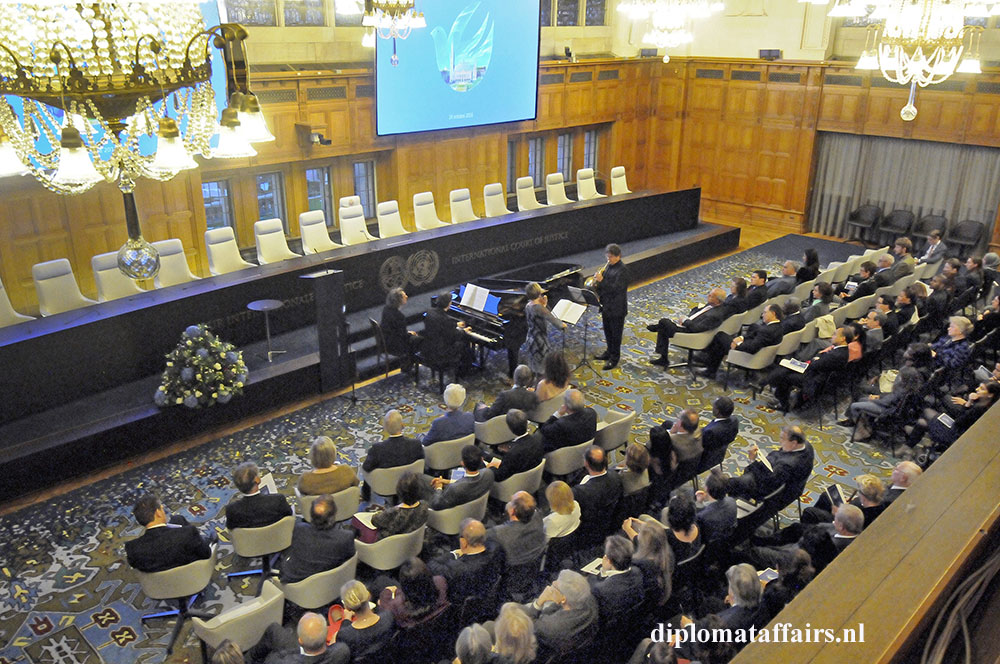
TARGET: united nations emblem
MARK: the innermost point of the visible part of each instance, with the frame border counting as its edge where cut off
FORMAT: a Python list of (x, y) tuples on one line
[(422, 267), (392, 274)]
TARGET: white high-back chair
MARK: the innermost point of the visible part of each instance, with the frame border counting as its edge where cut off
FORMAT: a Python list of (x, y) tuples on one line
[(315, 236), (223, 253), (390, 224), (495, 200), (174, 268), (353, 229), (424, 212), (461, 206), (272, 247), (349, 201), (618, 184), (245, 623), (112, 284), (526, 200), (7, 314), (586, 187), (555, 189), (56, 287)]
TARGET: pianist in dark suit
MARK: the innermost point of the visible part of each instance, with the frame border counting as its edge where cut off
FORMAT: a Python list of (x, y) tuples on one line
[(445, 341), (611, 285), (163, 545), (398, 340), (701, 319), (521, 396), (254, 509)]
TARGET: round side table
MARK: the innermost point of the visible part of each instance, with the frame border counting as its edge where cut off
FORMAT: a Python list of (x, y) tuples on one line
[(267, 306)]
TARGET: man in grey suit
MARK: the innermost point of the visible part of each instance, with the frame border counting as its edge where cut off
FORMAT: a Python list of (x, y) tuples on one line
[(454, 423), (786, 282), (523, 536), (477, 481), (563, 615), (521, 396), (935, 249)]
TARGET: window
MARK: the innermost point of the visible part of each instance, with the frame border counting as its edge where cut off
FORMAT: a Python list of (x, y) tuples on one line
[(536, 160), (271, 197), (594, 12), (348, 12), (573, 12), (567, 12), (364, 186), (564, 155), (304, 12), (252, 12), (511, 165), (545, 14), (319, 193), (590, 149), (218, 205)]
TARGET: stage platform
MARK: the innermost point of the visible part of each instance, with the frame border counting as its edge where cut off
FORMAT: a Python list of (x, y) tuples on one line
[(105, 427)]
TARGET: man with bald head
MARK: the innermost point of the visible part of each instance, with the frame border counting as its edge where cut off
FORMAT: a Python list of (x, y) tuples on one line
[(786, 282), (701, 319), (575, 422), (523, 537), (307, 645), (598, 493), (903, 476), (395, 450), (474, 568), (848, 523)]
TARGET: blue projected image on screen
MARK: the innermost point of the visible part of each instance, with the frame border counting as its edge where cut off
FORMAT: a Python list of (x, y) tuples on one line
[(475, 63)]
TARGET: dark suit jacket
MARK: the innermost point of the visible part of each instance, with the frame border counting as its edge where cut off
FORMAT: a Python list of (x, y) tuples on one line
[(257, 511), (790, 469), (442, 340), (937, 305), (521, 542), (735, 303), (570, 429), (760, 336), (709, 320), (314, 551), (934, 253), (780, 286), (516, 397), (617, 595), (598, 498), (393, 324), (719, 433), (884, 277), (792, 323), (453, 424), (166, 547), (613, 290), (463, 491), (756, 295), (717, 520), (866, 287), (395, 451), (892, 494), (338, 653), (524, 454), (470, 575)]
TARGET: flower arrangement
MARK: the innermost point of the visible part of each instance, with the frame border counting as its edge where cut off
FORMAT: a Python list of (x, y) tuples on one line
[(201, 371)]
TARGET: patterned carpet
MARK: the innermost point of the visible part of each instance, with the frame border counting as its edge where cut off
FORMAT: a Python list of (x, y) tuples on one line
[(66, 595)]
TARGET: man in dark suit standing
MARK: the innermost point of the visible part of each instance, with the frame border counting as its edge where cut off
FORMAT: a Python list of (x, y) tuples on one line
[(521, 396), (722, 430), (574, 423), (701, 319), (611, 285), (791, 464), (523, 453), (254, 509), (395, 450), (164, 545), (317, 545), (474, 569), (598, 494), (455, 423), (477, 481)]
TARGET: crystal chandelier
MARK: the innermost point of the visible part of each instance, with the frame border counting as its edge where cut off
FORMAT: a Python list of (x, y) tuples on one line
[(96, 82), (669, 20), (918, 42), (390, 19)]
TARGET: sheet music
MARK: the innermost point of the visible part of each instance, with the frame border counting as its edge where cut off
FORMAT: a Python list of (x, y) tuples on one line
[(475, 297), (593, 567), (764, 460), (568, 311)]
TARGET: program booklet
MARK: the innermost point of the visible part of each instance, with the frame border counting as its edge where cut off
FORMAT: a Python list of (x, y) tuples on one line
[(798, 366), (593, 567)]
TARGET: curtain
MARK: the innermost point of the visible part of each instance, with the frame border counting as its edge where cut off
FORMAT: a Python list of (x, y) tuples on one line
[(957, 181)]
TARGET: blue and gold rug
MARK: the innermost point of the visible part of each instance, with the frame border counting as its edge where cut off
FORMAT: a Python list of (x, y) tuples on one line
[(67, 596)]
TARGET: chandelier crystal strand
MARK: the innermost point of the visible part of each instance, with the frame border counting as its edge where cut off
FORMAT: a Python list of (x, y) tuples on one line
[(670, 21), (391, 19)]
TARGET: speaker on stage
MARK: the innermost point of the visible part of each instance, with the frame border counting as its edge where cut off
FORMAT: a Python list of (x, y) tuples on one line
[(331, 326)]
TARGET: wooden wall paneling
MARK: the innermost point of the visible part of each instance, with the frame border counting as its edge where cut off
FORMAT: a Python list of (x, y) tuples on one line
[(736, 161), (700, 143), (551, 98), (983, 121), (941, 116), (843, 100), (36, 230), (606, 100), (280, 101), (580, 89), (666, 124), (97, 225), (882, 116)]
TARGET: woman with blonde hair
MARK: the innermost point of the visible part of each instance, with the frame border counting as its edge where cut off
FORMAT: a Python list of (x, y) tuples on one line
[(364, 631), (565, 515), (655, 560), (326, 476), (515, 635), (635, 473)]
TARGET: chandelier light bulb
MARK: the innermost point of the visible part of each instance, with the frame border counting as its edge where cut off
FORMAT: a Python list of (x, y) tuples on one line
[(232, 143), (10, 163), (970, 65), (252, 121), (75, 171), (368, 40), (171, 155)]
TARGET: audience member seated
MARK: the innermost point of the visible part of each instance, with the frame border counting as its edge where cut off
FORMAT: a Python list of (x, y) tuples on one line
[(555, 378), (716, 515), (848, 523), (793, 320), (874, 331), (906, 305), (619, 587), (820, 367), (736, 301), (971, 277), (819, 304), (474, 569), (229, 653), (455, 423), (810, 267), (635, 469), (859, 285), (563, 615), (935, 249), (883, 275), (521, 454), (743, 597), (991, 263), (956, 416), (765, 333), (683, 534), (364, 631), (886, 304), (786, 282), (317, 546), (565, 515), (598, 493), (164, 545), (950, 270), (398, 340), (477, 481), (723, 428), (444, 342), (522, 537), (655, 561), (908, 381), (474, 646), (674, 443), (987, 321), (515, 636), (794, 573), (757, 293), (395, 450), (307, 643), (254, 509), (574, 423), (952, 350), (419, 597), (409, 514), (870, 499), (654, 652), (521, 396), (327, 476), (904, 474), (791, 465), (902, 249), (701, 319)]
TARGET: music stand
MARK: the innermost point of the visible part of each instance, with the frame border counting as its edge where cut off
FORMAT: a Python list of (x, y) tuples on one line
[(350, 356), (589, 298)]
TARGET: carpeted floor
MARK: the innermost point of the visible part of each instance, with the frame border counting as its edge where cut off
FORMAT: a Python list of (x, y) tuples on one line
[(66, 594)]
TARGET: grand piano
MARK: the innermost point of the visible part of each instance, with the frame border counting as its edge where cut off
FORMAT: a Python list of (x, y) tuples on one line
[(501, 324)]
